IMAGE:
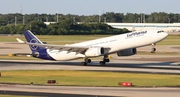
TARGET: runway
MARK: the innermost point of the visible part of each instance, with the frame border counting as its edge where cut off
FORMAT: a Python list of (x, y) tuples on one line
[(69, 91), (159, 67)]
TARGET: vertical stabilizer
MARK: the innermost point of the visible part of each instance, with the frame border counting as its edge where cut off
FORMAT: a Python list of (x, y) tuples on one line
[(37, 51), (31, 38)]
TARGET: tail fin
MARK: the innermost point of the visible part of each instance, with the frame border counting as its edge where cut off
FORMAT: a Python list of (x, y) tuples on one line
[(37, 51), (31, 38)]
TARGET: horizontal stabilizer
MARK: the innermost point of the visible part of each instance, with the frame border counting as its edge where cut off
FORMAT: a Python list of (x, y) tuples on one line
[(19, 40)]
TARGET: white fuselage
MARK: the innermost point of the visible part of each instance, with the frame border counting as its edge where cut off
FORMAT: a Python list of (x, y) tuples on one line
[(115, 43)]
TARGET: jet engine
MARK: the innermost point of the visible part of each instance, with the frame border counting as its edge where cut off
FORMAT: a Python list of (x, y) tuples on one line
[(127, 52), (94, 51)]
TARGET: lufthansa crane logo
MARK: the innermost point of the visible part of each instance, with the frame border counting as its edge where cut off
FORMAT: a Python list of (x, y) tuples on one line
[(33, 47)]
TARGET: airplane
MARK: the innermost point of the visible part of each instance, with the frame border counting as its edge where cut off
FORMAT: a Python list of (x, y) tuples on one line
[(123, 45)]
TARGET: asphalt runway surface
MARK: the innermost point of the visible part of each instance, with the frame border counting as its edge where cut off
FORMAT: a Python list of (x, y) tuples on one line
[(72, 91), (132, 64)]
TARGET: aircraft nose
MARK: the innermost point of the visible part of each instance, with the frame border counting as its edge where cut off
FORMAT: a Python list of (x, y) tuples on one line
[(165, 34)]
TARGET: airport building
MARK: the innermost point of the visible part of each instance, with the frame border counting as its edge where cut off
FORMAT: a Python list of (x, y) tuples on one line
[(169, 27), (48, 23)]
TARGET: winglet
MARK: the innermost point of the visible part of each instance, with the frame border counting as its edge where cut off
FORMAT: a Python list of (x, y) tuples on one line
[(19, 40)]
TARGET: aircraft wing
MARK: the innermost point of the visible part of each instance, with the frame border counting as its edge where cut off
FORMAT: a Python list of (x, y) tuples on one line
[(69, 48)]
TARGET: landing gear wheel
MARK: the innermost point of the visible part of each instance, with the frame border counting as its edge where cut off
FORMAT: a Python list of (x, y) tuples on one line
[(153, 50), (102, 63), (89, 60), (84, 63), (86, 60), (105, 59)]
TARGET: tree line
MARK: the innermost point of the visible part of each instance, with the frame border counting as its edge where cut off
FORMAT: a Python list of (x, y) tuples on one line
[(75, 24), (66, 27)]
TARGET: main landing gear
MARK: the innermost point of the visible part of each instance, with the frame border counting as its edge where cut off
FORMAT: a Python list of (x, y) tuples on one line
[(105, 59), (102, 63), (153, 50), (86, 60)]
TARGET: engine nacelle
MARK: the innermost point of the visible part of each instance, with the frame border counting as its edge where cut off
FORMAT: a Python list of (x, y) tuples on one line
[(127, 52), (94, 51)]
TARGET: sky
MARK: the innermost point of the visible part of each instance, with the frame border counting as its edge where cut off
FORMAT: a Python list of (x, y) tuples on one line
[(88, 7)]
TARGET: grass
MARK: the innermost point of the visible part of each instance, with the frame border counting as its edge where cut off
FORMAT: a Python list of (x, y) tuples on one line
[(88, 78), (1, 95), (58, 39), (158, 53), (171, 40), (18, 58)]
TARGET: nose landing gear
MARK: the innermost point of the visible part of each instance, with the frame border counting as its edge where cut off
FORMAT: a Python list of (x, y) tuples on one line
[(153, 50)]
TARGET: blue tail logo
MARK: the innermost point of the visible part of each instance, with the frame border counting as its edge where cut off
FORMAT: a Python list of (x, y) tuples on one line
[(33, 47)]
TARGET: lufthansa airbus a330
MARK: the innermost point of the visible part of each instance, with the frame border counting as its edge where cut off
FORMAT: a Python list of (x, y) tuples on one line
[(123, 45)]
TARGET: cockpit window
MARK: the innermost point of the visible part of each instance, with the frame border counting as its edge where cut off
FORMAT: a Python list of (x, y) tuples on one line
[(160, 31)]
